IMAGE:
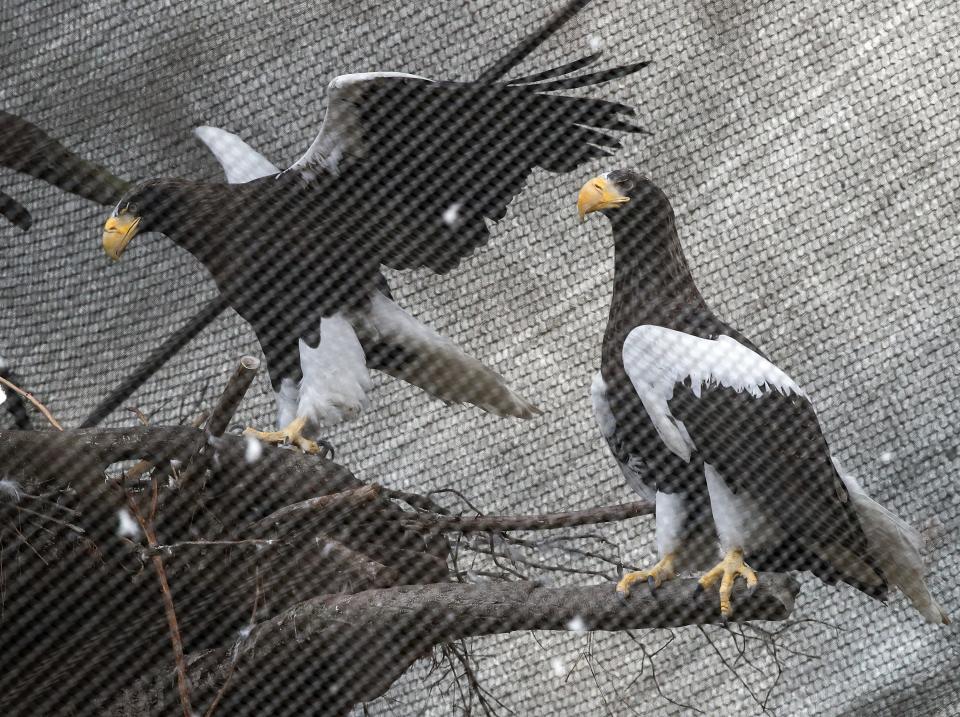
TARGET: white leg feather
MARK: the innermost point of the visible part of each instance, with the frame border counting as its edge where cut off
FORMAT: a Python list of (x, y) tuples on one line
[(287, 398), (335, 377)]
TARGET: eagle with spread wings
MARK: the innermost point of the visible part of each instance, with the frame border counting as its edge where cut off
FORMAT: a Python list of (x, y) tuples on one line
[(405, 173)]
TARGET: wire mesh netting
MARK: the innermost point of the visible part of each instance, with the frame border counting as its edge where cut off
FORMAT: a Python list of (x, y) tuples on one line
[(462, 358)]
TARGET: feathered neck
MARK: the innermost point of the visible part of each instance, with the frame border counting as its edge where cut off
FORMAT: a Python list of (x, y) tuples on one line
[(202, 217), (652, 280)]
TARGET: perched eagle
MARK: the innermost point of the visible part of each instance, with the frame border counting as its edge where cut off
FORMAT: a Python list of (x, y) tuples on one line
[(404, 173), (725, 442)]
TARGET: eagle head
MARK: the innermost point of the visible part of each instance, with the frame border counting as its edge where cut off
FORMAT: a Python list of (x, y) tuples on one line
[(151, 205), (614, 190)]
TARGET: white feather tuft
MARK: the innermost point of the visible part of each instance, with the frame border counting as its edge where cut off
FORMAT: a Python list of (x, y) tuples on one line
[(128, 526), (11, 488)]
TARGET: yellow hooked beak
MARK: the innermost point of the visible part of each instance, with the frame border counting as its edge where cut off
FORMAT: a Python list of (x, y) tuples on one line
[(598, 194), (117, 233)]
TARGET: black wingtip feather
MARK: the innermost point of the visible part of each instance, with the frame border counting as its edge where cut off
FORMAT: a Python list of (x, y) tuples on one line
[(556, 71), (530, 43), (593, 78)]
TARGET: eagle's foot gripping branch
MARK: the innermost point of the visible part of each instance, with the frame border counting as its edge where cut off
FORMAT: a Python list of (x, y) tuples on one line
[(726, 572), (655, 576), (291, 435)]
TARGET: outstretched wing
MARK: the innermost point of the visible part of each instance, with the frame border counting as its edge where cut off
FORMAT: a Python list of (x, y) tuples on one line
[(747, 418), (427, 162)]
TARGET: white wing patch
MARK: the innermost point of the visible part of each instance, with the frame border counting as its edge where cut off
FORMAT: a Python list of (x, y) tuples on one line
[(341, 134), (657, 359), (241, 163)]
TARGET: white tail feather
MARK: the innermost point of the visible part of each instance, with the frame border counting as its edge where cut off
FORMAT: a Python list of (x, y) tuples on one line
[(896, 548), (440, 368)]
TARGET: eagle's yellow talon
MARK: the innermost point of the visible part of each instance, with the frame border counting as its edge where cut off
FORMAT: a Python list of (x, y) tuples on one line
[(726, 572), (292, 435), (660, 572)]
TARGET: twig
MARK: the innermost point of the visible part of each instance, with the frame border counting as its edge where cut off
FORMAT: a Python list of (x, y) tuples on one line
[(547, 521), (70, 526), (243, 636), (353, 497), (174, 547), (29, 396), (147, 526), (415, 500)]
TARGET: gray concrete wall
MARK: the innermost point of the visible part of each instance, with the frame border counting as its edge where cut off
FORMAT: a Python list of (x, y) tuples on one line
[(811, 153)]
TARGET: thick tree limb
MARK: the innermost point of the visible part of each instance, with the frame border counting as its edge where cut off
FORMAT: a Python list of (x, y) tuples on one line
[(315, 648), (28, 149), (72, 455)]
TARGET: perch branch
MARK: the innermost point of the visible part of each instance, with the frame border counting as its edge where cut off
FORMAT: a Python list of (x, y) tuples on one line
[(220, 417), (547, 521), (384, 631), (234, 392)]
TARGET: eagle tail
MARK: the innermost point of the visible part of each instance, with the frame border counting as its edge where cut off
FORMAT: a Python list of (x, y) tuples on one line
[(396, 343), (895, 547)]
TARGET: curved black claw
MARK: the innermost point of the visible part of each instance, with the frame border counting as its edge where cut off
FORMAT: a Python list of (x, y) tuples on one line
[(327, 451), (653, 585), (622, 597), (724, 620), (698, 590)]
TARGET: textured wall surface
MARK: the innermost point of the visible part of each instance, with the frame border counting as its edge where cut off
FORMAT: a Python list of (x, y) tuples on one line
[(811, 152)]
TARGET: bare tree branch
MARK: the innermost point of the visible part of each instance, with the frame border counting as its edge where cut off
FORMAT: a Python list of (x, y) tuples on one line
[(546, 521), (398, 625)]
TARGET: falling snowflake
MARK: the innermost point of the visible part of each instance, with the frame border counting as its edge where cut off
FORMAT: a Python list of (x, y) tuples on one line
[(253, 450), (128, 527), (3, 395), (451, 215), (596, 43), (559, 669), (886, 457), (577, 625)]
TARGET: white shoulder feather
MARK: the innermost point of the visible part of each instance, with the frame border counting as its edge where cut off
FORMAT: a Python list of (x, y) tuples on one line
[(657, 359), (241, 162)]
